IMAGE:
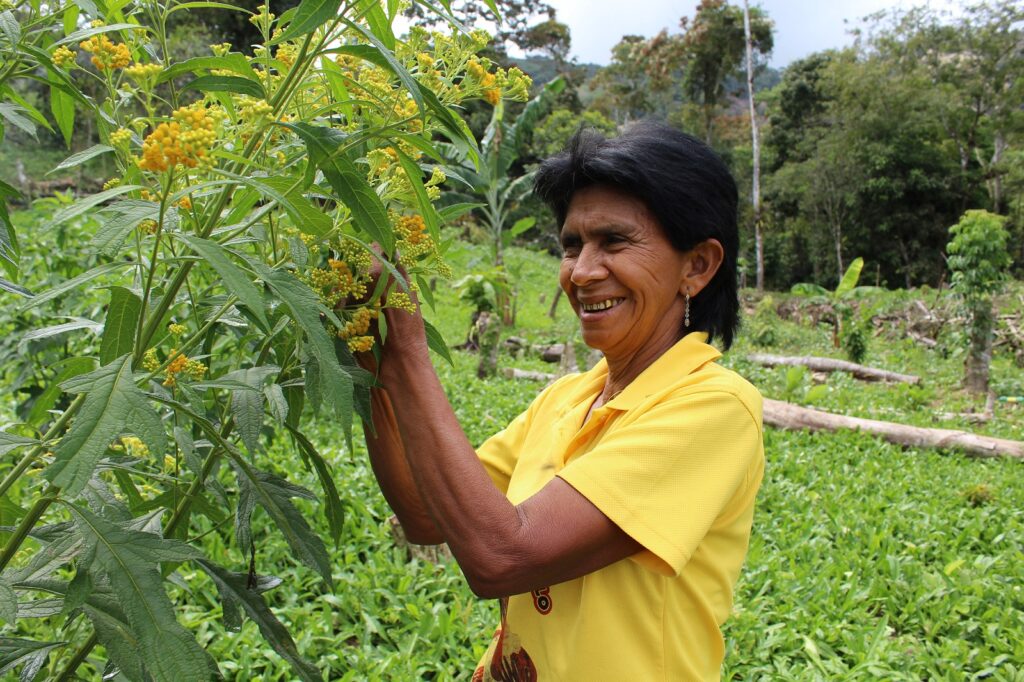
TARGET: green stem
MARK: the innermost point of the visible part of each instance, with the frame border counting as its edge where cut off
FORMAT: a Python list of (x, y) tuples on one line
[(27, 524), (36, 450), (78, 659)]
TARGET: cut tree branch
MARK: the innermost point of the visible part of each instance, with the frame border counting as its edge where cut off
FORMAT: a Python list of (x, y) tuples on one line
[(788, 416), (831, 365)]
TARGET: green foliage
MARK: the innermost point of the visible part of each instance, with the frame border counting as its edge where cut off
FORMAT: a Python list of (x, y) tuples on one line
[(554, 131), (978, 256)]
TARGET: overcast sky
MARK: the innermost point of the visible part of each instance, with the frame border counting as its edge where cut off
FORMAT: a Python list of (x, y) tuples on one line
[(801, 26)]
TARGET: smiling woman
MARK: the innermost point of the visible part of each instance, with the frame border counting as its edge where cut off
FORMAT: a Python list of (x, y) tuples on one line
[(611, 518)]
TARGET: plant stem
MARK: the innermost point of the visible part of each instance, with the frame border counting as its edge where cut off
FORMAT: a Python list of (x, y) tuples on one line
[(32, 454), (78, 659), (27, 524)]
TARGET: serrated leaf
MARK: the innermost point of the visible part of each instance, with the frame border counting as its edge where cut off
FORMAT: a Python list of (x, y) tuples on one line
[(40, 608), (66, 369), (309, 16), (120, 325), (274, 495), (436, 343), (9, 442), (247, 405), (113, 406), (12, 113), (81, 157), (14, 288), (9, 27), (90, 31), (277, 404), (235, 279), (233, 61), (62, 106), (8, 603), (307, 217), (54, 556), (15, 652), (234, 84), (347, 181), (130, 559), (81, 206), (333, 508), (58, 329), (233, 588), (117, 221), (114, 633), (303, 306)]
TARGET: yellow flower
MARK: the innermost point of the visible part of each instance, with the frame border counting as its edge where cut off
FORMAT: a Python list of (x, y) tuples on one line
[(401, 301), (62, 56), (106, 55), (360, 344), (176, 329), (120, 137), (185, 203), (220, 49), (143, 73), (185, 140), (150, 362), (134, 446), (112, 183)]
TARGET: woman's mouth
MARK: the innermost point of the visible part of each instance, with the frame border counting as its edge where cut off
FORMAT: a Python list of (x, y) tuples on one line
[(598, 306)]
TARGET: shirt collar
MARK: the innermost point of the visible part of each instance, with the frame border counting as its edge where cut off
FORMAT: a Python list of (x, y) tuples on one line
[(687, 355)]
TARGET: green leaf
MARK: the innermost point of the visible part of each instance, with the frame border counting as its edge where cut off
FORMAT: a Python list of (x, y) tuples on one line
[(62, 106), (347, 181), (307, 217), (15, 652), (303, 306), (12, 113), (79, 207), (73, 283), (274, 495), (235, 279), (233, 61), (277, 404), (247, 405), (333, 508), (58, 329), (850, 277), (450, 213), (8, 603), (415, 175), (120, 325), (239, 86), (808, 289), (9, 442), (130, 559), (83, 156), (234, 589), (309, 16), (113, 406), (117, 221), (520, 226), (90, 31), (10, 28), (437, 343), (114, 633)]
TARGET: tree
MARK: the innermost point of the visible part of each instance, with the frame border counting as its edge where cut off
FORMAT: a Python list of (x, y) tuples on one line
[(978, 260), (755, 148), (512, 19), (715, 44), (642, 79)]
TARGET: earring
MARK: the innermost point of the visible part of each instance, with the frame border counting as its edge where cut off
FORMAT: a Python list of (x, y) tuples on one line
[(686, 318)]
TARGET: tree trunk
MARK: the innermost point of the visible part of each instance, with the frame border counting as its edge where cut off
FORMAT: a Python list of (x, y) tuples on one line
[(755, 150), (489, 334), (787, 416), (831, 365), (979, 355), (554, 303)]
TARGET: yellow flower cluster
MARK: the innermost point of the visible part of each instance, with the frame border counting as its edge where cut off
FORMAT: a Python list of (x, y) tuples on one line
[(355, 255), (106, 55), (150, 362), (133, 446), (359, 324), (112, 183), (336, 282), (286, 53), (176, 329), (62, 56), (148, 226), (185, 203), (181, 364), (360, 344), (120, 137), (414, 241), (513, 84), (401, 301), (220, 49), (143, 73), (185, 140)]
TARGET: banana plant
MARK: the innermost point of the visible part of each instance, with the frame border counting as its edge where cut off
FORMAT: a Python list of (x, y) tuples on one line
[(838, 298)]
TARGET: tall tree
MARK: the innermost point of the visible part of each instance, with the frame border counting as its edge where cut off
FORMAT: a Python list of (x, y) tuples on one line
[(715, 44), (512, 24), (755, 149), (642, 77)]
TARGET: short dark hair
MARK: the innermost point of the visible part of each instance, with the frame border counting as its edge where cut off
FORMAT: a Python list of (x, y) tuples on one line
[(682, 181)]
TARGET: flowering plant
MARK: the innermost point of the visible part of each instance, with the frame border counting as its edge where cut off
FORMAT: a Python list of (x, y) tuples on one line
[(235, 248)]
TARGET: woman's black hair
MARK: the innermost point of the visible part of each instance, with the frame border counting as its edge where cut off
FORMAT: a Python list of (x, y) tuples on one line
[(682, 181)]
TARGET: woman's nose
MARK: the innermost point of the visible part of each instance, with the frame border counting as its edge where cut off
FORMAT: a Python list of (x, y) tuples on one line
[(589, 266)]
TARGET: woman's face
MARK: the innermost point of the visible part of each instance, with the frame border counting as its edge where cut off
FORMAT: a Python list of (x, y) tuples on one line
[(623, 277)]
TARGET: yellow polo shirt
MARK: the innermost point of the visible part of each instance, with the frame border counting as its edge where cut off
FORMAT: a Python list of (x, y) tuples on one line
[(675, 460)]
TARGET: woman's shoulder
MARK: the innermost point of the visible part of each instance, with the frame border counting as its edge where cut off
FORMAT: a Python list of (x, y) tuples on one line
[(712, 378)]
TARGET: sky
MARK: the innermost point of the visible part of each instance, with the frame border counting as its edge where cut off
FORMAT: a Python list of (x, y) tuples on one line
[(801, 26)]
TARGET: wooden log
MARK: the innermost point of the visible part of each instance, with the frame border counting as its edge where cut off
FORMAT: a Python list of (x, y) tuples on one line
[(831, 365), (788, 416), (516, 373)]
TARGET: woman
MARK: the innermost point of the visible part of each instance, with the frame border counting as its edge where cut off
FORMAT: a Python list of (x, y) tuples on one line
[(612, 517)]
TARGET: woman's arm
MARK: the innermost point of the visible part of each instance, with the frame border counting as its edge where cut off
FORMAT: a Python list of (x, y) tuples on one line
[(502, 548), (387, 458)]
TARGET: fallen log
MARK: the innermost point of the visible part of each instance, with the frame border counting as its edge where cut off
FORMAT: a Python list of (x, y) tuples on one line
[(831, 365), (788, 416), (530, 375)]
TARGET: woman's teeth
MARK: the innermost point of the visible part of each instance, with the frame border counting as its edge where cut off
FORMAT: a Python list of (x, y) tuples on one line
[(602, 305)]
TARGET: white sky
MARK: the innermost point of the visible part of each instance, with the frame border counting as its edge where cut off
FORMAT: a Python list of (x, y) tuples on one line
[(801, 26)]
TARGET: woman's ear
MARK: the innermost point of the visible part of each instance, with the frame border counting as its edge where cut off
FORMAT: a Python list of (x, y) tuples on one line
[(700, 265)]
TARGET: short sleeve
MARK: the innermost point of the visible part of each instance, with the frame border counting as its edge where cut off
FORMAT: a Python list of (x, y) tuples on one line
[(665, 474)]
